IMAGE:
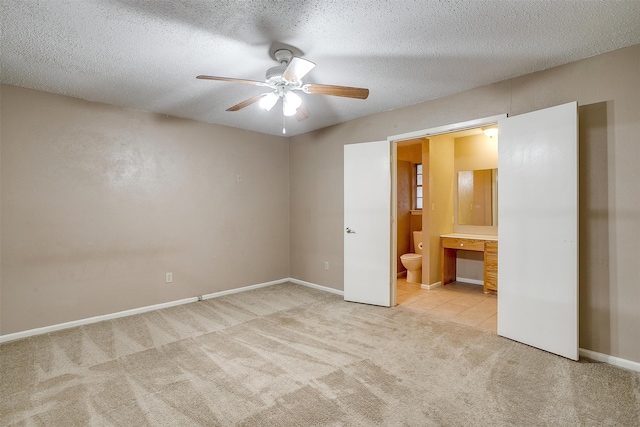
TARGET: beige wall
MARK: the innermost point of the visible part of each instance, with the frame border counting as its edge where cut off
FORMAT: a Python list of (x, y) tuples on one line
[(99, 202), (607, 88)]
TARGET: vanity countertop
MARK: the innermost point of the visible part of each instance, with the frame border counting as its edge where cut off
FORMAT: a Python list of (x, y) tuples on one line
[(470, 236)]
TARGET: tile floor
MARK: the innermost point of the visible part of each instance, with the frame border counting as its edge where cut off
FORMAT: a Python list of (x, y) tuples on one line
[(458, 302)]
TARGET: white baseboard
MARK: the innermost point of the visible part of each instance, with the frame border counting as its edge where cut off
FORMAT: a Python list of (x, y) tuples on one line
[(131, 312), (599, 357), (472, 281), (243, 289), (431, 286), (89, 320), (314, 286), (611, 360)]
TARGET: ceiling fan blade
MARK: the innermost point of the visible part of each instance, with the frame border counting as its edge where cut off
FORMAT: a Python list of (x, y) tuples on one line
[(302, 113), (297, 69), (347, 92), (232, 80), (247, 102)]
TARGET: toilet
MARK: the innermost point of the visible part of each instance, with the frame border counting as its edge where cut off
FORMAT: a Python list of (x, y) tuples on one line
[(413, 261)]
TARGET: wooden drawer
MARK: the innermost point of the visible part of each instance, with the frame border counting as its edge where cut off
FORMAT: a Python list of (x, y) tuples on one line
[(491, 261), (466, 244), (491, 267), (491, 281)]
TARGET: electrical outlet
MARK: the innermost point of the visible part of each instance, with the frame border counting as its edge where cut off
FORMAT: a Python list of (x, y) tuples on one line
[(326, 265), (239, 179), (168, 277)]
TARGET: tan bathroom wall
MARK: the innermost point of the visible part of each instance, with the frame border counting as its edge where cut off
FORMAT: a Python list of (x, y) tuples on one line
[(425, 218), (99, 202), (476, 152), (607, 89), (410, 151), (470, 265), (404, 193), (440, 204), (473, 152), (416, 223)]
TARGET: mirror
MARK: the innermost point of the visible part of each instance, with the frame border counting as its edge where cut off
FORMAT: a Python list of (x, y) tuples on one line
[(477, 197)]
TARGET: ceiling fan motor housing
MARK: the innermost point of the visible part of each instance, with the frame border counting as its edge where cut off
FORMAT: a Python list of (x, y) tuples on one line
[(274, 74)]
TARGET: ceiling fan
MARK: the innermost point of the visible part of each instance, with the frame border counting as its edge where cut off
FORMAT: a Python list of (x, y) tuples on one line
[(284, 80)]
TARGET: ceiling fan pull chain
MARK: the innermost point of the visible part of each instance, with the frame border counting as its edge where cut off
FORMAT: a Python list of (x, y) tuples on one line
[(284, 129)]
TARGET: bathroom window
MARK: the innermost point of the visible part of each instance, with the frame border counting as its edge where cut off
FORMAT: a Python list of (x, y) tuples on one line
[(418, 194)]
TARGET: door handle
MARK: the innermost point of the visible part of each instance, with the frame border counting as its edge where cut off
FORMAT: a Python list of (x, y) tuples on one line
[(350, 231)]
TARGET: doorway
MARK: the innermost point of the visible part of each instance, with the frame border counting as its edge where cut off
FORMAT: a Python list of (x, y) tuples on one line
[(432, 203), (538, 210)]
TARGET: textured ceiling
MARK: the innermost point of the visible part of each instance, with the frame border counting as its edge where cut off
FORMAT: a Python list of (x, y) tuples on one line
[(146, 54)]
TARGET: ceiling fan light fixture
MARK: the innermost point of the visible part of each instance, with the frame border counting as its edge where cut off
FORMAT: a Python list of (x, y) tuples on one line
[(287, 110), (267, 102), (290, 104), (293, 100)]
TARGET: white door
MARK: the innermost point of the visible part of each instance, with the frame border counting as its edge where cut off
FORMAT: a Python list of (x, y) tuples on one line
[(538, 229), (367, 223)]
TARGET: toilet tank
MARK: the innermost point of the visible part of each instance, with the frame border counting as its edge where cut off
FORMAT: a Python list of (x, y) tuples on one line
[(417, 242)]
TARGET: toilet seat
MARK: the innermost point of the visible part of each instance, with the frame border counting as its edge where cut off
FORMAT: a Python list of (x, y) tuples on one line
[(410, 256)]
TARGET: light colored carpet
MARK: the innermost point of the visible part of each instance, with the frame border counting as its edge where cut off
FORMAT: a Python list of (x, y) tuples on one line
[(287, 355)]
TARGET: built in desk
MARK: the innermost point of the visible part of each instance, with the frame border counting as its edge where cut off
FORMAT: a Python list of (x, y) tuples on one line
[(451, 243)]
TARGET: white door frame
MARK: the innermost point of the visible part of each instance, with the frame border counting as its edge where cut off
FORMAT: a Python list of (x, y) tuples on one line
[(393, 140), (439, 130)]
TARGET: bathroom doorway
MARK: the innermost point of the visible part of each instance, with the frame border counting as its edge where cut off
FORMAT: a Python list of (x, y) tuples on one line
[(538, 212), (427, 202), (409, 201)]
